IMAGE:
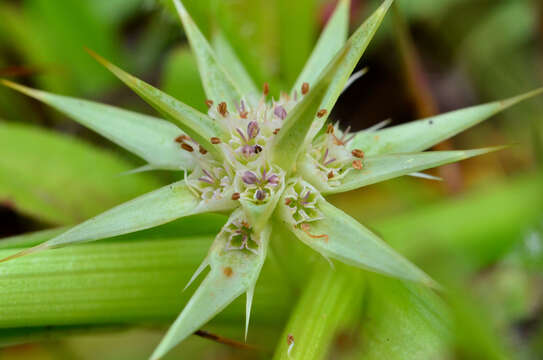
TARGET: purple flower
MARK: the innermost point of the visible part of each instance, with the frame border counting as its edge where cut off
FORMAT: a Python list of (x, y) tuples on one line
[(247, 150), (253, 129), (273, 180), (260, 195), (249, 178), (280, 112)]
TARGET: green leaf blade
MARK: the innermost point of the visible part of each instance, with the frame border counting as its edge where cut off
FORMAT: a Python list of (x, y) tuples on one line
[(338, 236), (301, 119), (197, 125), (357, 45), (218, 84), (62, 180), (235, 67), (232, 273), (148, 137), (384, 167), (149, 210), (422, 134), (329, 44)]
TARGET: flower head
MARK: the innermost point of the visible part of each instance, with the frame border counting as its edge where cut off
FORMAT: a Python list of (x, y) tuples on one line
[(257, 159)]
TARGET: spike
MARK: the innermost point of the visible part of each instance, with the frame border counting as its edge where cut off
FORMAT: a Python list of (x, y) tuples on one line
[(248, 304), (198, 271)]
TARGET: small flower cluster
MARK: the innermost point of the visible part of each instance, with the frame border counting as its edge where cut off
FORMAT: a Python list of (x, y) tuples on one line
[(246, 174), (301, 199), (240, 236), (332, 156)]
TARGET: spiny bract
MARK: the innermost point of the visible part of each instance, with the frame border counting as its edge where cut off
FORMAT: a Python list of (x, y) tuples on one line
[(263, 162)]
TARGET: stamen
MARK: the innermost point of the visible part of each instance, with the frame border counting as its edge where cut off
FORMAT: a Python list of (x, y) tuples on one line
[(252, 129), (202, 150), (241, 134), (222, 109), (305, 228), (330, 174), (306, 197), (276, 131), (330, 161), (266, 89), (325, 156), (247, 150), (260, 195), (187, 147), (358, 153), (280, 112), (357, 164), (249, 178), (258, 149), (207, 174), (322, 112), (206, 180), (215, 140), (209, 103), (305, 88), (330, 129), (273, 180), (181, 138), (290, 343), (236, 196), (288, 201)]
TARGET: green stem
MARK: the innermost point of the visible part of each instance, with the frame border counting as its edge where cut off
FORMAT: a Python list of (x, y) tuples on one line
[(332, 297)]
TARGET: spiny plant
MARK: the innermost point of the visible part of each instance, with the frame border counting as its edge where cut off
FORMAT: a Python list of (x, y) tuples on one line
[(266, 162)]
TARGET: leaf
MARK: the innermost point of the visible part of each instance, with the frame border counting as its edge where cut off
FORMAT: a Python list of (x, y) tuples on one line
[(62, 180), (356, 45), (132, 279), (149, 210), (150, 138), (384, 167), (329, 44), (299, 121), (339, 236), (42, 32), (405, 314), (232, 63), (422, 134), (218, 84), (232, 273), (197, 125), (331, 301)]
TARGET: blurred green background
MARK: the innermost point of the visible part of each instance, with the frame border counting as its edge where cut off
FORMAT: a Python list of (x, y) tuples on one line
[(480, 231)]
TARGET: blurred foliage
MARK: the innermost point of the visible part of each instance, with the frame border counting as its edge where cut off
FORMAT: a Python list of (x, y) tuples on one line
[(485, 244)]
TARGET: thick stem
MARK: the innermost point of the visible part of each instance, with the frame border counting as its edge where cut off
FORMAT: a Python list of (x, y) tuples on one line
[(331, 299)]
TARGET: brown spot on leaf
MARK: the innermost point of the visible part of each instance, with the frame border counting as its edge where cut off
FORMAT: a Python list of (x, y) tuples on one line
[(228, 271), (357, 164), (222, 109), (305, 88), (358, 153), (322, 112)]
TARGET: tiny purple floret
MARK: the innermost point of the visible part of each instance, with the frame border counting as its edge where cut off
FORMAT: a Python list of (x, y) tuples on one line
[(249, 178), (280, 112)]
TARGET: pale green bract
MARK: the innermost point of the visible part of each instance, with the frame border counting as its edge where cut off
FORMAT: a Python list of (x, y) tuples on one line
[(263, 162)]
